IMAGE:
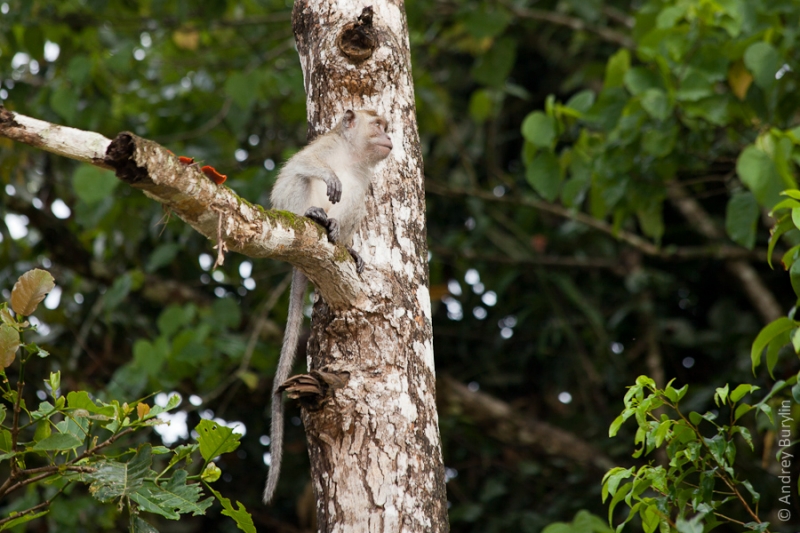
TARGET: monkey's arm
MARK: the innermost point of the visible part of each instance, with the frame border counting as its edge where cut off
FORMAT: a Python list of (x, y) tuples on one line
[(328, 176)]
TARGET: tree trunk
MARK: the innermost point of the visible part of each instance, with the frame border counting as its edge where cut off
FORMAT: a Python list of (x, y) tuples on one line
[(374, 443)]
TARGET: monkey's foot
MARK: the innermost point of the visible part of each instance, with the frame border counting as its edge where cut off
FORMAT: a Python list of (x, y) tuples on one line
[(356, 258), (331, 225)]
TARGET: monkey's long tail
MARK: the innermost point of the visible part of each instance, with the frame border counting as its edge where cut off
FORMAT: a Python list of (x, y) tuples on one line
[(288, 351)]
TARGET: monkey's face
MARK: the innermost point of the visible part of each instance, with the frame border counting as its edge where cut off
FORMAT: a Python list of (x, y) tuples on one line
[(380, 140)]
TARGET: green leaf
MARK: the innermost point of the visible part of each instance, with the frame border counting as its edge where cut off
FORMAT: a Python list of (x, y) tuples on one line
[(173, 498), (763, 61), (481, 105), (616, 68), (59, 442), (544, 175), (163, 255), (487, 21), (81, 400), (79, 69), (741, 410), (241, 88), (739, 392), (741, 219), (794, 276), (784, 224), (140, 526), (721, 396), (582, 101), (769, 332), (114, 479), (64, 101), (174, 318), (9, 343), (215, 439), (659, 142), (22, 519), (5, 441), (118, 292), (93, 184), (240, 515), (493, 67), (757, 170), (694, 86), (539, 129), (656, 103), (639, 79), (148, 357), (651, 221)]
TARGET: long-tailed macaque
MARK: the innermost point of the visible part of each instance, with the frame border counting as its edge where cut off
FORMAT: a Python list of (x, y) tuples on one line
[(327, 181)]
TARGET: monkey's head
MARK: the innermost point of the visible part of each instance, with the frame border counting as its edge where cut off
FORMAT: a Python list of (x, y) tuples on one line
[(366, 131)]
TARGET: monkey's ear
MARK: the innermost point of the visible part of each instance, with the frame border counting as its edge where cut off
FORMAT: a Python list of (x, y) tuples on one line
[(349, 119)]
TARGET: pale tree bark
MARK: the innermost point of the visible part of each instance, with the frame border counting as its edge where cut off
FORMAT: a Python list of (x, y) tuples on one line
[(369, 398), (374, 443)]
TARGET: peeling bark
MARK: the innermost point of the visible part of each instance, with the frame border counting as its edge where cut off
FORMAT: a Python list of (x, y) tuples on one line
[(374, 443)]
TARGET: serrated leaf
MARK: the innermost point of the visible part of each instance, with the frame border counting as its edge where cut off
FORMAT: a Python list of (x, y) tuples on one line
[(215, 439), (81, 400), (173, 498), (30, 289), (113, 479), (741, 219), (240, 515), (9, 344), (59, 442), (140, 526)]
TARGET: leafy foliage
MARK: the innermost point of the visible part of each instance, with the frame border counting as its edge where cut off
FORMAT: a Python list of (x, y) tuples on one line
[(551, 307), (72, 438), (699, 484)]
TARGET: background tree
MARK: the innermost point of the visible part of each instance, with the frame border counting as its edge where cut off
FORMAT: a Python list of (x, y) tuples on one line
[(614, 229)]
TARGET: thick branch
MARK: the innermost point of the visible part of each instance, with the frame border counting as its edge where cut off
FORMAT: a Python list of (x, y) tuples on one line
[(246, 228), (755, 288), (501, 421), (668, 253)]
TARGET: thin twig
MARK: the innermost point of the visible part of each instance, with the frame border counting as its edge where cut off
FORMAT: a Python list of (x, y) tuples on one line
[(572, 23)]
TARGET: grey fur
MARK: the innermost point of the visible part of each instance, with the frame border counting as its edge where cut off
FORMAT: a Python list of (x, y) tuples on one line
[(328, 178)]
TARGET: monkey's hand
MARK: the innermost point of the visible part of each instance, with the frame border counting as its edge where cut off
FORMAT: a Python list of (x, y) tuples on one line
[(334, 187), (331, 225)]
